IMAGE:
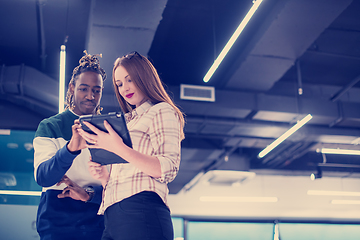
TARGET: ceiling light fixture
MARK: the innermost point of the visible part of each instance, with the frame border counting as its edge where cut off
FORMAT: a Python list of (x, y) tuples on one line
[(230, 43), (62, 78), (338, 151), (287, 134), (356, 141), (237, 199), (333, 193), (345, 202), (317, 175), (20, 193)]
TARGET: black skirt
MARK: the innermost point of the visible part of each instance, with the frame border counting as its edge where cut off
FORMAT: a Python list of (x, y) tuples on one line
[(141, 216)]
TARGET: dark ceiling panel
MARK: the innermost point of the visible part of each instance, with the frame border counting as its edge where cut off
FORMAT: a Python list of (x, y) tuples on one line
[(190, 36)]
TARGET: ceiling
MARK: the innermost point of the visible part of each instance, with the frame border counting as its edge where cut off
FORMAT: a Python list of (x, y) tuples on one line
[(287, 45)]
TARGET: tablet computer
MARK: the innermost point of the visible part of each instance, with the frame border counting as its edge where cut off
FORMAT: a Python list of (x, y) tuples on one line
[(118, 123)]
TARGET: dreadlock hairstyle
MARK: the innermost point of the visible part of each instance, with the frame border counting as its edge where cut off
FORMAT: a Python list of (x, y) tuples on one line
[(88, 63)]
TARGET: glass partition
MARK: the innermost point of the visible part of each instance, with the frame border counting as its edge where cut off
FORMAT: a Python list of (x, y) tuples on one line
[(229, 231), (317, 231), (17, 183)]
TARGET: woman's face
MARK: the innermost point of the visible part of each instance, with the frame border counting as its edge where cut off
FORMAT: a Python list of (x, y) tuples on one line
[(127, 88)]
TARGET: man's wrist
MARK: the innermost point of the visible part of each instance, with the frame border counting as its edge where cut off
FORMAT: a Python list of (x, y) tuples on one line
[(72, 151), (90, 191)]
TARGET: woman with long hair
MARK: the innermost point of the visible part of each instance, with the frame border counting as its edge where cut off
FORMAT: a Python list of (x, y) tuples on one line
[(135, 193)]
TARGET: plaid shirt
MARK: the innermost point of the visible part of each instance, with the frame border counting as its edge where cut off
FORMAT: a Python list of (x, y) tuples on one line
[(154, 130)]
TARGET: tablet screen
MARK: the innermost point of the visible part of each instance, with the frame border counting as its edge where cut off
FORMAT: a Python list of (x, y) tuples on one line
[(118, 123)]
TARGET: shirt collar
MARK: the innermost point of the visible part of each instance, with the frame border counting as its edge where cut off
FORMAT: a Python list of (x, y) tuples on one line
[(70, 110), (143, 107), (139, 110)]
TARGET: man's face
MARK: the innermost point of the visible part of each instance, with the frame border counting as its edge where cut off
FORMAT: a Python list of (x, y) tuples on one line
[(87, 93)]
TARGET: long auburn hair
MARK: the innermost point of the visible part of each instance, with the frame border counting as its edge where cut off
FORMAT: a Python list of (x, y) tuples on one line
[(147, 80)]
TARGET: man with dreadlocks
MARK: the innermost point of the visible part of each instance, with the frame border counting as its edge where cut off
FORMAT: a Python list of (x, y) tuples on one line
[(70, 197)]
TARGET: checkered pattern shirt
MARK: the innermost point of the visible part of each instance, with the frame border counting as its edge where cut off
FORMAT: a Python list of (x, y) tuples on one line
[(154, 130)]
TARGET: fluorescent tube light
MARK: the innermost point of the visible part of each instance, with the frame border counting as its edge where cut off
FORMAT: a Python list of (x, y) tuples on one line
[(237, 199), (333, 193), (287, 134), (62, 78), (240, 28), (356, 141), (20, 193), (338, 151), (345, 202)]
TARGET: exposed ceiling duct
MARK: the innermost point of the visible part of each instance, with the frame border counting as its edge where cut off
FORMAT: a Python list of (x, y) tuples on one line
[(120, 27)]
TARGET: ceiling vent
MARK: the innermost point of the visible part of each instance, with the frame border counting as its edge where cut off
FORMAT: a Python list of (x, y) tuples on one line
[(197, 93), (226, 177)]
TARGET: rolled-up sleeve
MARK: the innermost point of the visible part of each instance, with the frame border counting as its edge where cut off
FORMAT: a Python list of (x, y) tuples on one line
[(165, 139)]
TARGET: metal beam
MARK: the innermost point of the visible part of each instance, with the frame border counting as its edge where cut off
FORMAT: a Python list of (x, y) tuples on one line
[(345, 89)]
